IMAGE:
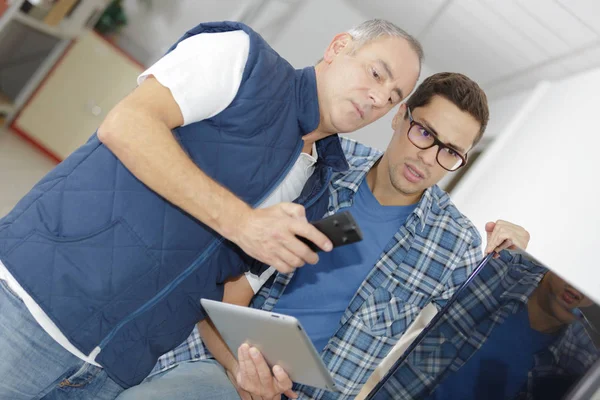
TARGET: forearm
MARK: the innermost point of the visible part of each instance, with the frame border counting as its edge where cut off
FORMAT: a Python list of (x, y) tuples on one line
[(216, 345), (146, 146), (237, 291)]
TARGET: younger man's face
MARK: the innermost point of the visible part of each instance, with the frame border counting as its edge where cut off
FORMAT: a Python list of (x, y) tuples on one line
[(563, 298), (413, 170)]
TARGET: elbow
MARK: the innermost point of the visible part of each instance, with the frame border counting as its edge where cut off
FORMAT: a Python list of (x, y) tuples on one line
[(115, 131), (107, 131), (111, 131)]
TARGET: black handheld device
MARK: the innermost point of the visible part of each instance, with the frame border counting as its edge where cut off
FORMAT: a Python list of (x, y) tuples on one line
[(340, 228)]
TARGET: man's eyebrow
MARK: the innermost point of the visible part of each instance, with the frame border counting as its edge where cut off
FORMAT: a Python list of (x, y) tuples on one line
[(431, 129), (388, 71)]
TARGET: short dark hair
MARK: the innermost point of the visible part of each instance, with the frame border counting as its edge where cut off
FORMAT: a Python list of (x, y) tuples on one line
[(460, 90)]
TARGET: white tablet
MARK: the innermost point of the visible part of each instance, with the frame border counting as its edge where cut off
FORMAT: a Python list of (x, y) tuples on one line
[(280, 339)]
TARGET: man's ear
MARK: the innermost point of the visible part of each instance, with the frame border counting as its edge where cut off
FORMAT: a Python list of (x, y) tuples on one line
[(340, 42), (399, 116)]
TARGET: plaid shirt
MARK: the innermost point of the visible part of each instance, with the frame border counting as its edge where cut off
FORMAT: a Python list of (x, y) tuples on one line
[(426, 260), (500, 290)]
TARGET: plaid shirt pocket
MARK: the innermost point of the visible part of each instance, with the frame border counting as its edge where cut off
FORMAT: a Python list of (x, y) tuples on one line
[(389, 310)]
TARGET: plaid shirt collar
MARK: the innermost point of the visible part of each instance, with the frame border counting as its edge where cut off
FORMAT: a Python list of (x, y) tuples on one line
[(363, 158)]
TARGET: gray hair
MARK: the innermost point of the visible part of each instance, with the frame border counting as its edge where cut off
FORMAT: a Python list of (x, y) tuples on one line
[(376, 28)]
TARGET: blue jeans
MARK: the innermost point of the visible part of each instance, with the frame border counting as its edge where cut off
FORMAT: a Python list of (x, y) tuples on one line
[(192, 380), (35, 366)]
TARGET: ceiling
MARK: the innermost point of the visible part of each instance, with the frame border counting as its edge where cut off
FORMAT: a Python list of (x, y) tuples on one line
[(506, 45)]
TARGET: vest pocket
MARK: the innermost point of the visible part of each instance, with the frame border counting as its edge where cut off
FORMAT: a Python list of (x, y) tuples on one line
[(73, 278)]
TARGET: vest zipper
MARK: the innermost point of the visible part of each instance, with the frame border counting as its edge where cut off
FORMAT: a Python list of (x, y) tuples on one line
[(321, 191)]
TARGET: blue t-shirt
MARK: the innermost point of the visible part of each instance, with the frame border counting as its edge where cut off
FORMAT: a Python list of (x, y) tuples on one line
[(500, 368), (319, 294)]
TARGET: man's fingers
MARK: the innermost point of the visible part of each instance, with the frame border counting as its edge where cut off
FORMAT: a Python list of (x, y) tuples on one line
[(262, 368), (502, 246), (313, 234), (489, 229), (243, 394), (282, 266), (301, 250), (241, 357), (248, 373), (501, 232), (257, 375), (495, 238), (290, 258), (506, 244), (284, 382), (240, 378), (291, 394)]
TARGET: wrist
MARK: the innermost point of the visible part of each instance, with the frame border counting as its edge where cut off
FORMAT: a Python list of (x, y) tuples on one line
[(234, 220), (232, 372)]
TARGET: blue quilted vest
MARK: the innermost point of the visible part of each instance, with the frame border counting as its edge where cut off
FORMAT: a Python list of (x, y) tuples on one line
[(114, 265)]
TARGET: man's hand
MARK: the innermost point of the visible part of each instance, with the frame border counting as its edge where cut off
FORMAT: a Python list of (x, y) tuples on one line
[(244, 395), (269, 235), (255, 381), (505, 235)]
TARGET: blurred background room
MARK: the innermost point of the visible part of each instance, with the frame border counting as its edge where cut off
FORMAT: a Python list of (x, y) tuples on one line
[(65, 63)]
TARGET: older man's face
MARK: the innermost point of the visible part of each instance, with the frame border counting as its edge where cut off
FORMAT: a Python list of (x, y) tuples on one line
[(361, 86)]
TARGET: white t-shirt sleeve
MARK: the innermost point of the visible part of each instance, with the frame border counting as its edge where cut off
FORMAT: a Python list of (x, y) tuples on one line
[(257, 281), (203, 72)]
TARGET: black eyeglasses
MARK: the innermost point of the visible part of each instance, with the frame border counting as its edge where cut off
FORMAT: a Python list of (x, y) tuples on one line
[(447, 157)]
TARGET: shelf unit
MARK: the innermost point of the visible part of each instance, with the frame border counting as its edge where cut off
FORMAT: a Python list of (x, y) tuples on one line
[(30, 48), (66, 109)]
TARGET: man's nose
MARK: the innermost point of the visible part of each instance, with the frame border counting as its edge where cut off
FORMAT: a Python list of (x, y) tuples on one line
[(378, 97), (429, 156)]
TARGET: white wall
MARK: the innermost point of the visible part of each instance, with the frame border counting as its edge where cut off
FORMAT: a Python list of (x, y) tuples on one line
[(311, 29), (152, 30), (503, 111), (542, 173)]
